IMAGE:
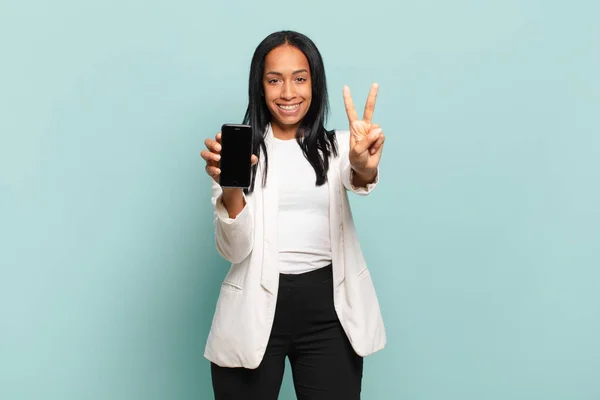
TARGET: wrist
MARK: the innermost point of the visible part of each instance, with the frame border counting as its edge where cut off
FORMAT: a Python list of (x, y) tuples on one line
[(362, 179), (232, 196), (232, 191), (365, 175)]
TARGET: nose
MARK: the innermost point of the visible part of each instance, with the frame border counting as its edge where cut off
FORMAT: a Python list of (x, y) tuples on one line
[(287, 91)]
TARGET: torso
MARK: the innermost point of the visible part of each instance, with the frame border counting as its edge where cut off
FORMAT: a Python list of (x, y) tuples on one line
[(303, 215)]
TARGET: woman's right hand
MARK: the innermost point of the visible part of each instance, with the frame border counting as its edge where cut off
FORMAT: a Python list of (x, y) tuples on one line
[(233, 198), (212, 156)]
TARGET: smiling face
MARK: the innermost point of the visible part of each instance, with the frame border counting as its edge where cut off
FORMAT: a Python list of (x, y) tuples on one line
[(287, 88)]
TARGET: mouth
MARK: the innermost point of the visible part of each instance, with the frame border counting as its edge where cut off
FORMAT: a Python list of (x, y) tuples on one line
[(289, 107)]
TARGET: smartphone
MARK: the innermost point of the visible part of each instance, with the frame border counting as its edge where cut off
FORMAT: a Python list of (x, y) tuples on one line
[(236, 153)]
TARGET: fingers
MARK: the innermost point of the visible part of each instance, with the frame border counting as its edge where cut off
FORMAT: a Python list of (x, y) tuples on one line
[(370, 105), (378, 146), (359, 129), (213, 172), (212, 145), (349, 105), (368, 141), (210, 156), (213, 153)]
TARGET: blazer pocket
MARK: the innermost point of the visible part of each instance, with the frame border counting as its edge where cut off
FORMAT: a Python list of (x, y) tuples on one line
[(367, 291), (362, 273), (231, 286), (229, 303)]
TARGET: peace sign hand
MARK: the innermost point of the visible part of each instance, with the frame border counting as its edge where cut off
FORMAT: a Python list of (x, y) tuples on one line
[(366, 138)]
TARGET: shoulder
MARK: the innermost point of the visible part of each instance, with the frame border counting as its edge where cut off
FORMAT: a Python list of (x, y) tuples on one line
[(339, 133), (342, 138)]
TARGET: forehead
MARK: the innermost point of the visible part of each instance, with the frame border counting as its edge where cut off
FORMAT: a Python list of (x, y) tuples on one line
[(284, 59)]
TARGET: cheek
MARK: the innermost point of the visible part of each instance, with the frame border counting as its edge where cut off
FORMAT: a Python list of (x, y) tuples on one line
[(308, 93), (308, 98), (269, 98), (270, 102), (267, 94)]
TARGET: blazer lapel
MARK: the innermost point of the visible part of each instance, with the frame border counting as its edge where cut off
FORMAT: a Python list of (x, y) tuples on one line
[(270, 206), (335, 220)]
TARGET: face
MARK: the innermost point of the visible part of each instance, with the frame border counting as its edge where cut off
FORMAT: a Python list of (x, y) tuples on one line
[(287, 86)]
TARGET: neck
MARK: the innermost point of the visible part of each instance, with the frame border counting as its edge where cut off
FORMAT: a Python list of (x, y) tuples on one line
[(284, 132)]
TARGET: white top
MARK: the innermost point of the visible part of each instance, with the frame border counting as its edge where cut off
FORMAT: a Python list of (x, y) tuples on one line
[(303, 219)]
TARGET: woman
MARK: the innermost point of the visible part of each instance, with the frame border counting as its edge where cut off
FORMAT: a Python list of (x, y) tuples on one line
[(298, 286)]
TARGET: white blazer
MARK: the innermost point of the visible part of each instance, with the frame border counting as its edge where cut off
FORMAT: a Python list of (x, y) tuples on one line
[(245, 308)]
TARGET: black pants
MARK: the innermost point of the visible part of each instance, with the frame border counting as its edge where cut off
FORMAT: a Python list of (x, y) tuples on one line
[(306, 329)]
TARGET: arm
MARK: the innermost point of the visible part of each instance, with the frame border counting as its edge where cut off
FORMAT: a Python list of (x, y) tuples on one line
[(234, 225)]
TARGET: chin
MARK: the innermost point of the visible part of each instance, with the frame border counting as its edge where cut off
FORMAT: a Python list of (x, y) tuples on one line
[(289, 121), (292, 119)]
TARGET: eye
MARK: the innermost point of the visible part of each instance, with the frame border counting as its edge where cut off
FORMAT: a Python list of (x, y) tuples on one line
[(301, 79), (272, 81)]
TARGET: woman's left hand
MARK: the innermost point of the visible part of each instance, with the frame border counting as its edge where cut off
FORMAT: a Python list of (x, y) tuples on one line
[(366, 138)]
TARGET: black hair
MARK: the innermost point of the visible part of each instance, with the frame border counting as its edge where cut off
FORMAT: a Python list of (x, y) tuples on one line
[(316, 142)]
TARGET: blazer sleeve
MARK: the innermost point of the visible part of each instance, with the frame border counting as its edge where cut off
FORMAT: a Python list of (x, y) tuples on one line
[(346, 171), (234, 237)]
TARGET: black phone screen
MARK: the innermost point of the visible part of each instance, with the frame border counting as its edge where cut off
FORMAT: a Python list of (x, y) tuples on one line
[(236, 153)]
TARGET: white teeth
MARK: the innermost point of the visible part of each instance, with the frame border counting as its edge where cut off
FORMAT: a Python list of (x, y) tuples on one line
[(289, 108)]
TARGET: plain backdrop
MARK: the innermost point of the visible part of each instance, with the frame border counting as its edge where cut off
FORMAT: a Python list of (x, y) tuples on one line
[(483, 237)]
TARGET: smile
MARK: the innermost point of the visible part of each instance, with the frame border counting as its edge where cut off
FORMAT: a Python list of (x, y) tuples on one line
[(291, 107)]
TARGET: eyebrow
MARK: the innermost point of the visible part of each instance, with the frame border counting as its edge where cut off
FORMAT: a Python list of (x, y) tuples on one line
[(280, 74)]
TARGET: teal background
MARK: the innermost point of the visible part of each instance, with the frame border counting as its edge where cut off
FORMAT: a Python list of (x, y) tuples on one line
[(483, 237)]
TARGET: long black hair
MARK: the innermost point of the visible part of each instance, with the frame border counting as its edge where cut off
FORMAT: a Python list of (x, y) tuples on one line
[(316, 142)]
